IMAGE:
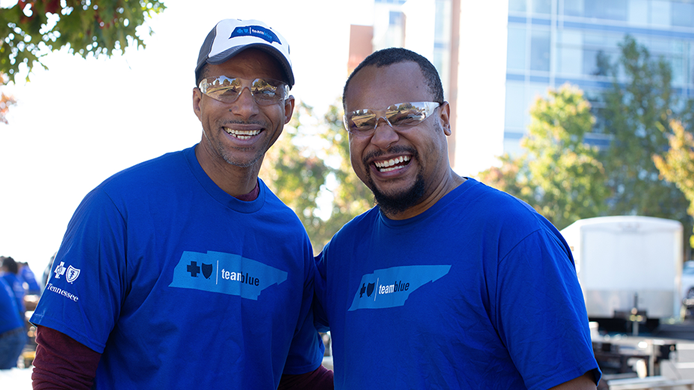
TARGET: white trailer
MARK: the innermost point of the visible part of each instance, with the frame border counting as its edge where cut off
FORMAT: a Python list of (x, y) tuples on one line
[(626, 263)]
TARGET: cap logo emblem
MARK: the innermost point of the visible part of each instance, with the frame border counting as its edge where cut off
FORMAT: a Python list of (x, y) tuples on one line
[(255, 31)]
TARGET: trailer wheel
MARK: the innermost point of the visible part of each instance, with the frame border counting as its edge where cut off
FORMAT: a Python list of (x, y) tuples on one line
[(690, 293)]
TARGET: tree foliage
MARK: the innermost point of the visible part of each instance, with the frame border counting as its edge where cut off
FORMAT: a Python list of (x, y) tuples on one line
[(350, 196), (295, 173), (298, 173), (32, 28), (568, 176), (559, 175), (5, 102), (677, 164), (638, 109)]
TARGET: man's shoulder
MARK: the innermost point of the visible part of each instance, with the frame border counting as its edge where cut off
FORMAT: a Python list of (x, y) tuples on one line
[(359, 225), (501, 212), (147, 173)]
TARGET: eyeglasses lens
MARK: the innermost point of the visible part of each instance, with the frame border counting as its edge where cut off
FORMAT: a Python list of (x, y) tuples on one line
[(227, 90), (399, 116)]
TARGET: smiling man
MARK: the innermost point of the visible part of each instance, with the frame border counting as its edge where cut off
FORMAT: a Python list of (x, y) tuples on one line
[(446, 283), (186, 271)]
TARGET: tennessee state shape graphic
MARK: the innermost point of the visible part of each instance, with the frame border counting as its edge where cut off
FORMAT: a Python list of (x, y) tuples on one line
[(390, 287), (225, 273)]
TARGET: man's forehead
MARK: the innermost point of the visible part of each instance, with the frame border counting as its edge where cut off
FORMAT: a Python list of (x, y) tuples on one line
[(385, 85), (252, 61)]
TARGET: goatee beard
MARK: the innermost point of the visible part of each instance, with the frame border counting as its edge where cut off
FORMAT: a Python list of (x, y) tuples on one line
[(398, 203)]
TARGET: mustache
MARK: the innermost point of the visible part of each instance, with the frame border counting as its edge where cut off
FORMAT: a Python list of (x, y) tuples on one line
[(240, 122)]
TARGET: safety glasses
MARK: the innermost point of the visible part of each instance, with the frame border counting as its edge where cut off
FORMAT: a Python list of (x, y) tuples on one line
[(399, 116), (226, 90)]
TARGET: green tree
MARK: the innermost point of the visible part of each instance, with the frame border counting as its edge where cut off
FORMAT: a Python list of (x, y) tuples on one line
[(569, 178), (351, 197), (5, 101), (512, 176), (638, 109), (677, 164), (295, 173), (32, 28), (296, 170), (559, 175)]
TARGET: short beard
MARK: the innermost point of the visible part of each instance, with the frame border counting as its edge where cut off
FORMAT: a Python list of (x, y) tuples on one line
[(398, 203), (226, 155)]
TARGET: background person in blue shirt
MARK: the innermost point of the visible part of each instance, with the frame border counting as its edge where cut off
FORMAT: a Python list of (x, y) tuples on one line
[(13, 336), (10, 272)]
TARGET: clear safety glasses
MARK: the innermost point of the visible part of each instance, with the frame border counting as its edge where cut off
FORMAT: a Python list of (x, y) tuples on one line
[(265, 92), (399, 116)]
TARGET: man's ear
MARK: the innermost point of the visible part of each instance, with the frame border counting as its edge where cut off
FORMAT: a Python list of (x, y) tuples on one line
[(445, 118), (197, 98), (288, 108)]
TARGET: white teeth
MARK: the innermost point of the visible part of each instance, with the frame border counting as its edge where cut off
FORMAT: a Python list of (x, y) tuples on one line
[(387, 166), (242, 134)]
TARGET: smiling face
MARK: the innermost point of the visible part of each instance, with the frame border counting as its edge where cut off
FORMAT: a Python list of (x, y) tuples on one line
[(404, 168), (239, 133)]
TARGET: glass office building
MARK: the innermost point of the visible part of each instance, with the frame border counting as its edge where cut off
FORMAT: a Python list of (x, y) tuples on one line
[(552, 42)]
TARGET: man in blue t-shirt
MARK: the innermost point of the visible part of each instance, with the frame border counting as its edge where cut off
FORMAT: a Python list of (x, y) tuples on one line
[(186, 271), (10, 272), (446, 283), (13, 335)]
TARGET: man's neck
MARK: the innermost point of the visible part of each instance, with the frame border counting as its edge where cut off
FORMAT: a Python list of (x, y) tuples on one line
[(234, 180)]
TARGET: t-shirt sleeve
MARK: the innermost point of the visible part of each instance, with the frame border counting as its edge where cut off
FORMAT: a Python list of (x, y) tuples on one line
[(540, 313), (319, 313), (87, 285)]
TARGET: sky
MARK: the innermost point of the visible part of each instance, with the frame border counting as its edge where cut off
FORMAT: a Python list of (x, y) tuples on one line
[(82, 120)]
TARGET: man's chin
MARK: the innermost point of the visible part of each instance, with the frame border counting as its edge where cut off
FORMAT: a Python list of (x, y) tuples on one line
[(397, 201)]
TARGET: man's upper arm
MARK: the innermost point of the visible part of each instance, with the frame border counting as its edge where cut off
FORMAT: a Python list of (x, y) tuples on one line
[(62, 362), (583, 382)]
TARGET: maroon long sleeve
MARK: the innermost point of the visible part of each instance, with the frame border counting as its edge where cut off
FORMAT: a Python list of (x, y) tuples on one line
[(62, 363), (320, 379)]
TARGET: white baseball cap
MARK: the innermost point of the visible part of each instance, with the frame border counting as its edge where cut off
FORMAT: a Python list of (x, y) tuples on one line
[(231, 36)]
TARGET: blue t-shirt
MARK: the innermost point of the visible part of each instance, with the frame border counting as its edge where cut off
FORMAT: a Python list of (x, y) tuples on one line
[(9, 312), (477, 292), (27, 276), (17, 287), (180, 285)]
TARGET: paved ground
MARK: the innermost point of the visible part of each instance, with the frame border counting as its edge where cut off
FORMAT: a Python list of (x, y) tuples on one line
[(15, 379)]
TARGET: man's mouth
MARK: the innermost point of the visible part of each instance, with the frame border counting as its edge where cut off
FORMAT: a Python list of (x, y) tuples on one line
[(392, 164), (242, 134)]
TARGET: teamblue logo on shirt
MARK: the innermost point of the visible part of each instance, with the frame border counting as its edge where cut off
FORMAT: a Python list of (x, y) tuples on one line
[(391, 287), (255, 31), (225, 273)]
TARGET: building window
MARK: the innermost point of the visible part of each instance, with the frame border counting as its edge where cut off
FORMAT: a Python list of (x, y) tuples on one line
[(543, 7), (638, 12), (515, 48), (540, 50), (683, 14), (573, 7), (395, 18), (570, 52), (516, 111), (596, 62), (517, 6), (608, 10), (660, 13)]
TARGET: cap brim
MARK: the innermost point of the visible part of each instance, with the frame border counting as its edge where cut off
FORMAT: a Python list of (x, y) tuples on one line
[(276, 54)]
